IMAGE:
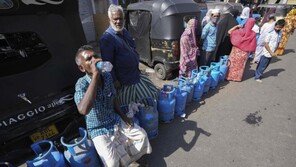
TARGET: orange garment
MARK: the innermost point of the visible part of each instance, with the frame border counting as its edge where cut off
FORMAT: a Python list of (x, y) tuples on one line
[(238, 59), (287, 31)]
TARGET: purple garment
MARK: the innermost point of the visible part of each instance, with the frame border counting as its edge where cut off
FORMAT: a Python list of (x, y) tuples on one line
[(267, 14), (189, 49)]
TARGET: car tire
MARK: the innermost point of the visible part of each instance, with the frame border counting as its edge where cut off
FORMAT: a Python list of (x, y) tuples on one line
[(160, 71)]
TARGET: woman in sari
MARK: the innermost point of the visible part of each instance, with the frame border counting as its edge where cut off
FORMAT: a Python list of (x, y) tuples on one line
[(287, 31), (189, 49), (243, 41)]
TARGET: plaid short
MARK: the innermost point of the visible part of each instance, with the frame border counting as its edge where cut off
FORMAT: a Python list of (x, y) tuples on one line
[(124, 147)]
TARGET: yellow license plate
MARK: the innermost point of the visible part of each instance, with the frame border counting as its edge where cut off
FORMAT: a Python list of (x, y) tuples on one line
[(44, 133)]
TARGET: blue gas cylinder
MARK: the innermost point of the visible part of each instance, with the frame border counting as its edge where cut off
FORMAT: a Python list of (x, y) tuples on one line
[(181, 97), (187, 85), (194, 76), (80, 152), (46, 155), (204, 72), (166, 103), (125, 110), (215, 66), (223, 67), (198, 83), (215, 74), (148, 117)]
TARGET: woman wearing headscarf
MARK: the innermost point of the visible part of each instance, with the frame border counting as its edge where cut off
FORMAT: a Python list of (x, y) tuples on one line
[(224, 45), (287, 31), (243, 41), (265, 29), (189, 49), (244, 16)]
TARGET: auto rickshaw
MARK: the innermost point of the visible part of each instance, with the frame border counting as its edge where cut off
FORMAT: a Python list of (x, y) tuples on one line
[(224, 6), (281, 10), (157, 26)]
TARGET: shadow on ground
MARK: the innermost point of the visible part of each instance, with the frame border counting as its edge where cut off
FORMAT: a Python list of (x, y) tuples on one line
[(193, 106), (287, 51), (171, 138), (249, 72), (275, 59), (273, 72)]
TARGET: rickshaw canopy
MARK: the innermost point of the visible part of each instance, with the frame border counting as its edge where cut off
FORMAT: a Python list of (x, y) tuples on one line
[(280, 9), (166, 15), (224, 6)]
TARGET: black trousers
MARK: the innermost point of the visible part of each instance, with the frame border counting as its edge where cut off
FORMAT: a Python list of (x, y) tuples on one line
[(205, 58)]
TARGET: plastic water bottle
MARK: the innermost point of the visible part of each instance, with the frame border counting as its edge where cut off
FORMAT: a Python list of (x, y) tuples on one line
[(104, 66)]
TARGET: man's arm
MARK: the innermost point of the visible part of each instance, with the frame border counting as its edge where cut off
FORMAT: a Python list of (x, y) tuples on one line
[(127, 120), (268, 49), (84, 106), (89, 97), (266, 45), (205, 31)]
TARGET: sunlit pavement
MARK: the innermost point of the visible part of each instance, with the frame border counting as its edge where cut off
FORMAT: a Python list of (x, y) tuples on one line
[(240, 124)]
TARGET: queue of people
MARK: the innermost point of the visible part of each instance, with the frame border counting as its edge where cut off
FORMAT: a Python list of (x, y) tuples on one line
[(99, 95), (241, 37)]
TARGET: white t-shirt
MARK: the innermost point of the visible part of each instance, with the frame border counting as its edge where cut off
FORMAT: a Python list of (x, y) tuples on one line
[(267, 27), (273, 39), (256, 28)]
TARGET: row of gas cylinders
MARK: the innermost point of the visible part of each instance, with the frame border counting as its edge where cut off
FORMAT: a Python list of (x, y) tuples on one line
[(171, 102), (80, 152), (172, 99)]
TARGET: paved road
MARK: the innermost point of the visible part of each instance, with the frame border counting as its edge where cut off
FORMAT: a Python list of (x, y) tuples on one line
[(215, 134)]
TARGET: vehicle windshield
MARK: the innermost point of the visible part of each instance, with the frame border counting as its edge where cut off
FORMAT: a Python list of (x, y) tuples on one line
[(20, 52), (6, 4)]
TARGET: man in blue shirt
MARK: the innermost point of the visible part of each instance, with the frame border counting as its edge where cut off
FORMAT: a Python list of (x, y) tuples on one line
[(208, 36), (106, 124), (118, 47)]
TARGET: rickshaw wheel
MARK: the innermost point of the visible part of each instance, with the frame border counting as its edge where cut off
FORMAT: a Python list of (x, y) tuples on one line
[(160, 71)]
